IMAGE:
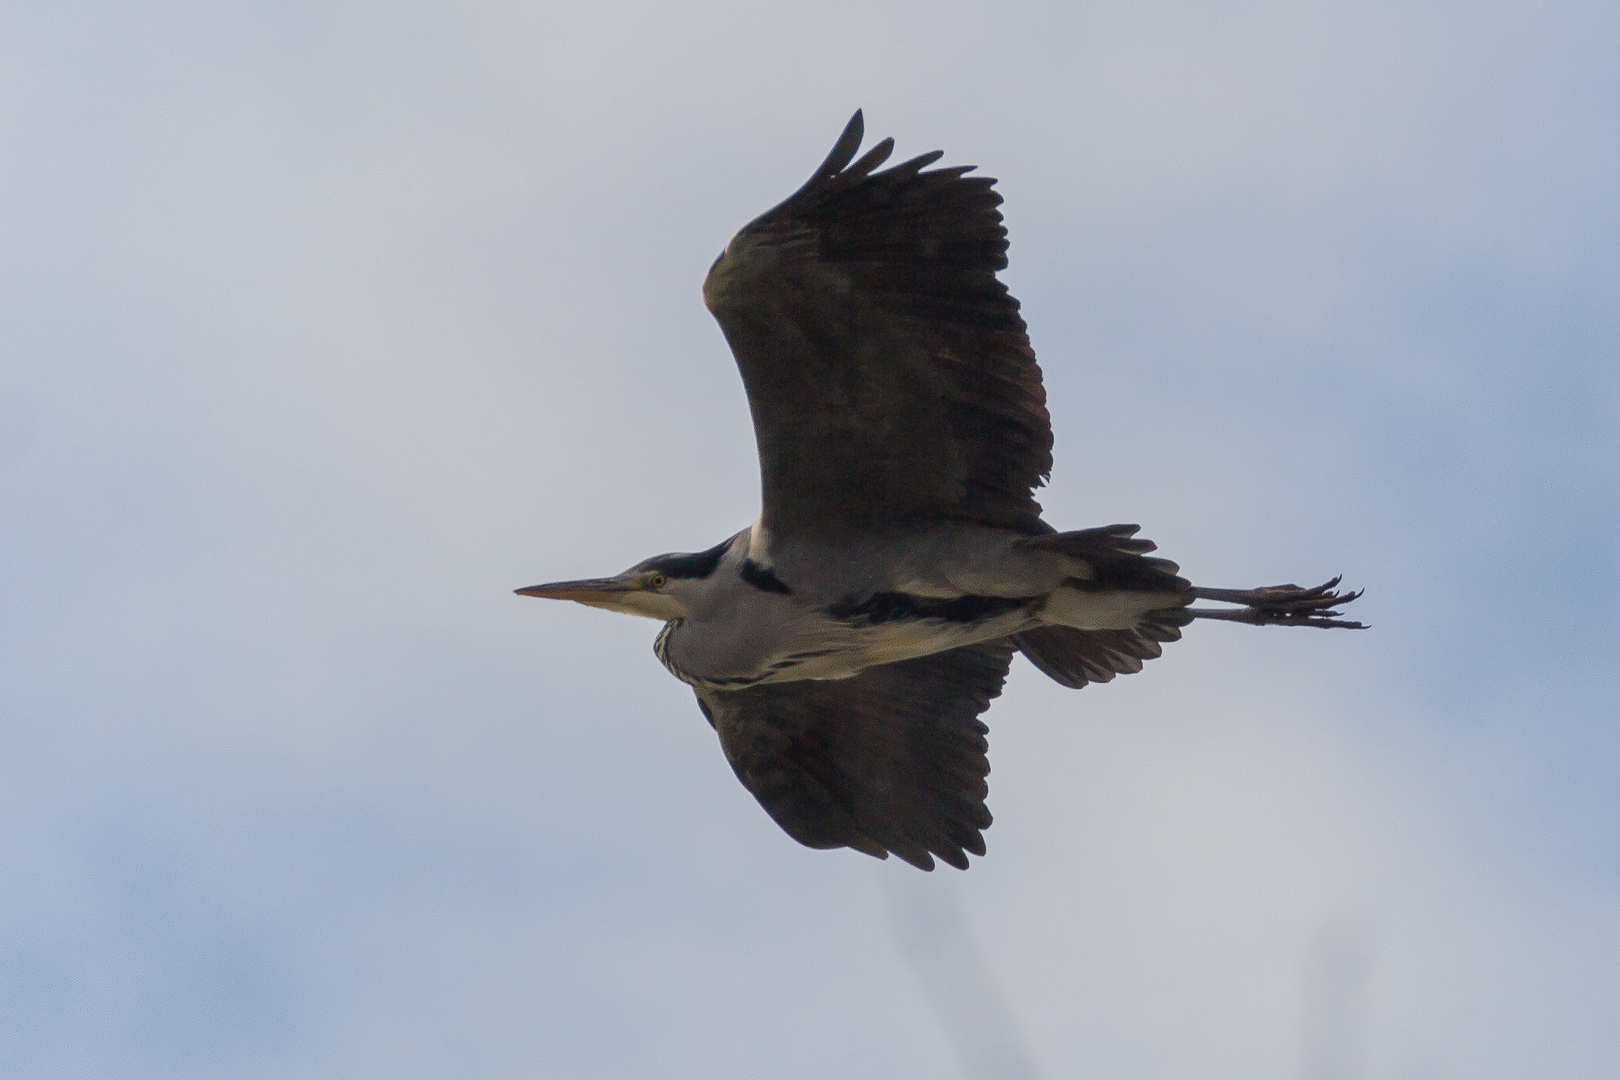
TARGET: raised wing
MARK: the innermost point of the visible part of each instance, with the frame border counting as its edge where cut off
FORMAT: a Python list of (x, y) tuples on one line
[(892, 759), (888, 370)]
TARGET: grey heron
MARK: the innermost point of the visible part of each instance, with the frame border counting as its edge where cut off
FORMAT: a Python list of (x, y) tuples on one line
[(844, 645)]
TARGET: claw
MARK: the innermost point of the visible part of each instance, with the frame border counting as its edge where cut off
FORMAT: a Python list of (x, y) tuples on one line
[(1281, 605)]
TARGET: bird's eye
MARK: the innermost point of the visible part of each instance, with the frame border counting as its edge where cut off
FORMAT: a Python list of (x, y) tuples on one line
[(656, 581)]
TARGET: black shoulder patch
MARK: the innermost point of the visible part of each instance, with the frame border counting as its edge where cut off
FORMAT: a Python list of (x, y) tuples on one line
[(904, 607), (699, 565), (763, 578)]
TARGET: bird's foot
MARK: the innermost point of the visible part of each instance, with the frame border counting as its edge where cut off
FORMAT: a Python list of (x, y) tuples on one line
[(1280, 605)]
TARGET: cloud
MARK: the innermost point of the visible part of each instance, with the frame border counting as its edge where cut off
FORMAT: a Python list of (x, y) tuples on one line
[(333, 324)]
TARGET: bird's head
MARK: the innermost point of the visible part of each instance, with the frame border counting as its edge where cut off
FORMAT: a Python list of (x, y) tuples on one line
[(664, 587)]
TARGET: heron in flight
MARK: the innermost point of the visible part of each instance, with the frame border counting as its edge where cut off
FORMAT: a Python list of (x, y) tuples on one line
[(844, 645)]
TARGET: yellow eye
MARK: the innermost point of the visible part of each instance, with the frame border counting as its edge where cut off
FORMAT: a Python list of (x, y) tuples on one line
[(656, 581)]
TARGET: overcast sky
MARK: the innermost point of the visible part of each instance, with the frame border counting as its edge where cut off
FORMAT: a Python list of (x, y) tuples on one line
[(323, 326)]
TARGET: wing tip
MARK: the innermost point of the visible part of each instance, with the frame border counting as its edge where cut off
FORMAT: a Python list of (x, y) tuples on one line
[(843, 151)]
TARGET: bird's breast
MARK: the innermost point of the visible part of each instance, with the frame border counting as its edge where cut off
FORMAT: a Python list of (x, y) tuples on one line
[(771, 639)]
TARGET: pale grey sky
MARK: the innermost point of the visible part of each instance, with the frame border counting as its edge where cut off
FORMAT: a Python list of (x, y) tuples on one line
[(323, 326)]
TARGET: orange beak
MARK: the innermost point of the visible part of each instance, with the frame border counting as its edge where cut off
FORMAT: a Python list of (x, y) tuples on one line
[(588, 591)]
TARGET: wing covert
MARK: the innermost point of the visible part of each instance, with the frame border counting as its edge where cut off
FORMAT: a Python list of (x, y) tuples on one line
[(888, 371), (893, 759)]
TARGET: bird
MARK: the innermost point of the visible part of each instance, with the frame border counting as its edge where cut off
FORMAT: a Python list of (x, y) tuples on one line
[(845, 645)]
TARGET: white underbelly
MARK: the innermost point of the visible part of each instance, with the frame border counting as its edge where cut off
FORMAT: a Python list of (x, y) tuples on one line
[(889, 643), (1104, 609)]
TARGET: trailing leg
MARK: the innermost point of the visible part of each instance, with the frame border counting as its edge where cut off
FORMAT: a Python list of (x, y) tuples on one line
[(1279, 605)]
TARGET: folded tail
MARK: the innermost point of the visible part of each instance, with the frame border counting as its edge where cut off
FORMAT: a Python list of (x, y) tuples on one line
[(1118, 560)]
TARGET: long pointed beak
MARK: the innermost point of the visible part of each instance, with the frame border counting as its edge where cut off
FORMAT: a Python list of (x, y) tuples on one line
[(588, 591)]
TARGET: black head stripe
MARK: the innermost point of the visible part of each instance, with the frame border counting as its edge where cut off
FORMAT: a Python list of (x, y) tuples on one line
[(700, 565)]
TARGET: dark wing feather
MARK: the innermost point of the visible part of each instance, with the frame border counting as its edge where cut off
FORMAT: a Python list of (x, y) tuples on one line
[(1077, 657), (888, 370), (892, 759)]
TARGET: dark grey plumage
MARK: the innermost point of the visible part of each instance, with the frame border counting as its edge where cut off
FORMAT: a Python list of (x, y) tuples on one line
[(893, 759), (888, 370), (845, 645)]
